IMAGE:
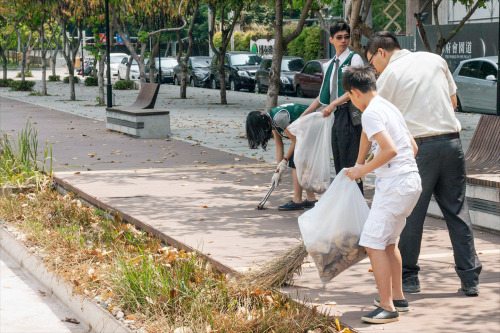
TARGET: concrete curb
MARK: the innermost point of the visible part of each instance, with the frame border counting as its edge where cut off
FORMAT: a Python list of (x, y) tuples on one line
[(88, 313)]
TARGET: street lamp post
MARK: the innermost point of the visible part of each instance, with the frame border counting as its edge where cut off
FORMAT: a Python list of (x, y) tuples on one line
[(108, 62)]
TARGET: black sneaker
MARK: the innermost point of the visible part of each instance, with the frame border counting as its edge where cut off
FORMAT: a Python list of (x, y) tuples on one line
[(401, 305), (471, 291), (291, 206), (411, 284), (380, 316), (309, 204)]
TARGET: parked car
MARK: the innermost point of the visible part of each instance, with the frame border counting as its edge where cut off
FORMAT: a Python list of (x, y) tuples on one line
[(197, 72), (240, 70), (289, 67), (114, 60), (167, 69), (134, 69), (307, 82), (477, 81)]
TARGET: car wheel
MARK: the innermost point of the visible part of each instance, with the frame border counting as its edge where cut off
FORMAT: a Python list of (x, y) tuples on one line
[(300, 92), (213, 84), (157, 79), (232, 85), (459, 106)]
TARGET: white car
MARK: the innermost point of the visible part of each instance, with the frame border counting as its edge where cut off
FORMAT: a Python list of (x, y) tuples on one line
[(114, 60), (134, 69)]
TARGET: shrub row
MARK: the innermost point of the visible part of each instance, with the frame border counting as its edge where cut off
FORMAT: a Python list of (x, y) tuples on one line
[(54, 78), (21, 85), (76, 79), (90, 81), (124, 85)]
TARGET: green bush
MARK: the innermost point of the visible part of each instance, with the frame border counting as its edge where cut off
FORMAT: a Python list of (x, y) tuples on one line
[(124, 85), (55, 78), (26, 74), (76, 79), (90, 81), (5, 82), (21, 85)]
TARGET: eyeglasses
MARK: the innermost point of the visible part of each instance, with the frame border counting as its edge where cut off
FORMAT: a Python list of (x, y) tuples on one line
[(370, 61), (342, 37)]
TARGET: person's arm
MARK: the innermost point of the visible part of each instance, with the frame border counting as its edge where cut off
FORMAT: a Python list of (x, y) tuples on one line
[(293, 139), (414, 146), (313, 107), (364, 148), (279, 146), (388, 152), (454, 101), (330, 107)]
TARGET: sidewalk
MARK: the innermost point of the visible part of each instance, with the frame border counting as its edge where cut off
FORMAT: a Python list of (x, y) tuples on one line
[(166, 185)]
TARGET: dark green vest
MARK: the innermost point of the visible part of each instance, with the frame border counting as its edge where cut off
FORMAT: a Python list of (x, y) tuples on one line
[(294, 111), (324, 94)]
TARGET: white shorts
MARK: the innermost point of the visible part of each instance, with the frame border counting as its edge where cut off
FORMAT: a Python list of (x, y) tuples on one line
[(394, 199)]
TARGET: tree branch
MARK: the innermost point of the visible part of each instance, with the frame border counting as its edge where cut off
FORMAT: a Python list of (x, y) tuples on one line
[(460, 25), (300, 24), (321, 20)]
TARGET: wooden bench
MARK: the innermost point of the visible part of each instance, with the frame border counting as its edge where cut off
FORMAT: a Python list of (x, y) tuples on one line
[(482, 162), (140, 119)]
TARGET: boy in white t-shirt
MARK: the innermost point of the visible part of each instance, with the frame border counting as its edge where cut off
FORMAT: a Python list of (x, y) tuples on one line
[(397, 188)]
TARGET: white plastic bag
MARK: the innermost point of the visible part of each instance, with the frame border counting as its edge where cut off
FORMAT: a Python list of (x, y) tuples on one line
[(331, 229), (313, 149)]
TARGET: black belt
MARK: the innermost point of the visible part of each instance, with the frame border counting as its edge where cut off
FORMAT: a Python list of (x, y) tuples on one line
[(441, 137)]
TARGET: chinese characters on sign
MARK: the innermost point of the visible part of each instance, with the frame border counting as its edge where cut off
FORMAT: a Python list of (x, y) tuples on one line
[(460, 50)]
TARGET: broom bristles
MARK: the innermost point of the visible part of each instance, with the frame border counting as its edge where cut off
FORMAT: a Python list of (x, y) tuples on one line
[(277, 271)]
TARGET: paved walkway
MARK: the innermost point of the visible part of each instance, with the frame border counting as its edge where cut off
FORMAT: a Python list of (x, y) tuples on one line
[(206, 198)]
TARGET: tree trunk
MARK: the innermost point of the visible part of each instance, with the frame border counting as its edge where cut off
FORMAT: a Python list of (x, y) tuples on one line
[(4, 63), (222, 77), (44, 65), (129, 64), (278, 49), (100, 76), (152, 55)]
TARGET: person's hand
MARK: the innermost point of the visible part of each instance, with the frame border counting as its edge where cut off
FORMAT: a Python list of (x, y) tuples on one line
[(282, 166), (328, 110), (276, 179), (354, 173), (360, 166)]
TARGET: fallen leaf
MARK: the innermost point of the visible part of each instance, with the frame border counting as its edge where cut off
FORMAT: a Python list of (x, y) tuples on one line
[(331, 303), (370, 270), (204, 206), (77, 173), (71, 320)]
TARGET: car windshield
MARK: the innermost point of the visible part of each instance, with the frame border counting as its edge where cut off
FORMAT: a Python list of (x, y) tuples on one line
[(199, 63), (245, 59), (168, 62), (115, 60), (292, 65)]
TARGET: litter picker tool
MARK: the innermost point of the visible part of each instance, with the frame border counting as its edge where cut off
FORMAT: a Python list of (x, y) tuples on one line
[(262, 203)]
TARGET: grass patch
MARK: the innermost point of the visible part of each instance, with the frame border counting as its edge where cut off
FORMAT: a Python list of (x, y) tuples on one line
[(131, 272), (21, 162)]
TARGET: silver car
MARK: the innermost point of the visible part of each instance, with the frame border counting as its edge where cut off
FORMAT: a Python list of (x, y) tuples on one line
[(476, 81)]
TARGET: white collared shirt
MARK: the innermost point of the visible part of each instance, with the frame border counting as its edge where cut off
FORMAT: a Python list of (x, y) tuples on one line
[(356, 61), (420, 84)]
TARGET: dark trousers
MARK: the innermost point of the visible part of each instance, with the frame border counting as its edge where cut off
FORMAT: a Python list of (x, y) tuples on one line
[(441, 165), (345, 141)]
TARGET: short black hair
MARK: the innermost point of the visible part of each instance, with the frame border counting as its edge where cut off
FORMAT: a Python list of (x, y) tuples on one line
[(340, 25), (382, 40), (259, 129), (361, 78)]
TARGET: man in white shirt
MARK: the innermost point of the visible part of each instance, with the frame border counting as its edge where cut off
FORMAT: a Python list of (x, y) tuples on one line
[(421, 86), (346, 130)]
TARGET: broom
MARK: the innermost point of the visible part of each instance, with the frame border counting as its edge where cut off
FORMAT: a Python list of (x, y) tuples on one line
[(279, 271)]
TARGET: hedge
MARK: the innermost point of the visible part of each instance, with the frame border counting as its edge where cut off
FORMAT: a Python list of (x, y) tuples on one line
[(124, 85), (76, 79), (21, 85), (55, 78), (90, 81), (5, 82)]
